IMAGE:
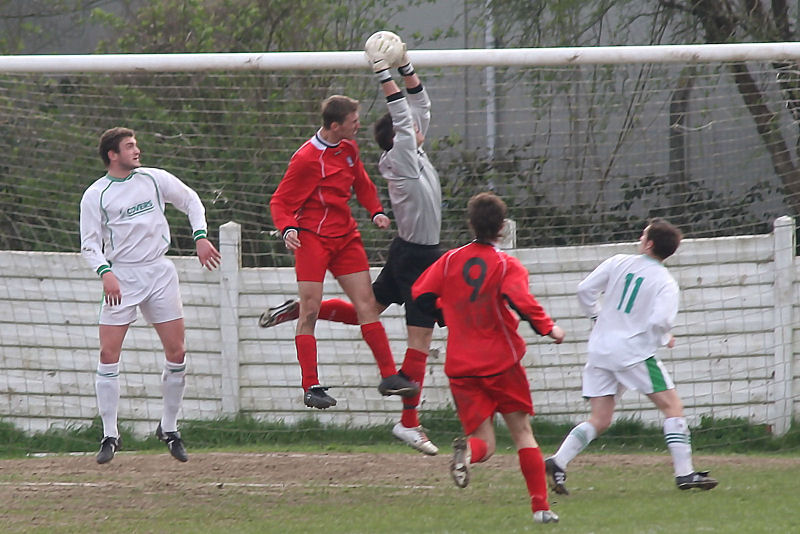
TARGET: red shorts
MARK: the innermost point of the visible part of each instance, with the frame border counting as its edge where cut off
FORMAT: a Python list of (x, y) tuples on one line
[(479, 398), (339, 255)]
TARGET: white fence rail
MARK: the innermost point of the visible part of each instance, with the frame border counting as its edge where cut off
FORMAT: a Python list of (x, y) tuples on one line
[(735, 357)]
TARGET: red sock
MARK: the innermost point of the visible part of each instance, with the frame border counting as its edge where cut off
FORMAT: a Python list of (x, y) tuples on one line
[(477, 449), (532, 465), (307, 356), (375, 336), (414, 369), (338, 310)]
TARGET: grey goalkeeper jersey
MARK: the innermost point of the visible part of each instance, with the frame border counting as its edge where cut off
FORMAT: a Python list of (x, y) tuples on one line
[(414, 189)]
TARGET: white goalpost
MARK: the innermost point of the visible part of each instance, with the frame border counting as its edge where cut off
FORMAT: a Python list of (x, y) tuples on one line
[(583, 143), (282, 61)]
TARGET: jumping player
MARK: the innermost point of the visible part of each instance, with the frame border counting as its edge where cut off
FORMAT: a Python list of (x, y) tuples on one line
[(640, 304), (124, 239), (476, 287), (310, 208), (416, 199)]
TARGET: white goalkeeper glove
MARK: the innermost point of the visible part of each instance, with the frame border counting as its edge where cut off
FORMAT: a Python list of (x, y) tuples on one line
[(379, 50), (404, 66), (377, 61)]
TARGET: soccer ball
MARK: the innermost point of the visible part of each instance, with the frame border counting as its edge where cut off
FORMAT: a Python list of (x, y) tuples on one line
[(385, 44)]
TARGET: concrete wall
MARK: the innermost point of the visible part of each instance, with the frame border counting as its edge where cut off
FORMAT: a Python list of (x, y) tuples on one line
[(735, 355)]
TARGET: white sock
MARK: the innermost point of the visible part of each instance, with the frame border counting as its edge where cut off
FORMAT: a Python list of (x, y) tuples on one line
[(577, 440), (106, 386), (679, 443), (173, 383)]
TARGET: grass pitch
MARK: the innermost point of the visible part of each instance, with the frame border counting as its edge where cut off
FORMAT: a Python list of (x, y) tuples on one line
[(366, 492)]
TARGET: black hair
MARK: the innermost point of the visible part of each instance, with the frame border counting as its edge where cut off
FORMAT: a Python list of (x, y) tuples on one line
[(383, 132)]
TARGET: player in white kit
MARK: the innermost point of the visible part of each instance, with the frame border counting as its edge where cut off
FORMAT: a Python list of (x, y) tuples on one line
[(124, 239), (638, 311)]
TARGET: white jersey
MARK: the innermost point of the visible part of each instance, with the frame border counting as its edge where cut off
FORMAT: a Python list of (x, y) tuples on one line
[(122, 219), (639, 306)]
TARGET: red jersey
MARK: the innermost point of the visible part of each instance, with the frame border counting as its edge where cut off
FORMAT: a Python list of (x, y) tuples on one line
[(475, 286), (314, 193)]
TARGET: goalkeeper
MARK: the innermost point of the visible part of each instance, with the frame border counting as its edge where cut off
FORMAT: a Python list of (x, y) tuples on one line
[(416, 199)]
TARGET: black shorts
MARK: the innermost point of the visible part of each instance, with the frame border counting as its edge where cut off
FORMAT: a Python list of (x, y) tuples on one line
[(405, 263)]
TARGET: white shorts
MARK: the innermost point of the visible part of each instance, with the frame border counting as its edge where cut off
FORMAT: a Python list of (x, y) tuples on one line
[(152, 287), (648, 376)]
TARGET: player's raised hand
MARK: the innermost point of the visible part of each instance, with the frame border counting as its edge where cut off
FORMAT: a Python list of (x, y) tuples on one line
[(208, 254), (404, 60), (383, 50)]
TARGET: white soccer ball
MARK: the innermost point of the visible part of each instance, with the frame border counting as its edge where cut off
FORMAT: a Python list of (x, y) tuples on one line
[(385, 44)]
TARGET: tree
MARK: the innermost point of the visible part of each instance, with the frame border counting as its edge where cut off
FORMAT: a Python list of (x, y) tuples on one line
[(540, 23), (42, 26), (724, 21), (218, 146)]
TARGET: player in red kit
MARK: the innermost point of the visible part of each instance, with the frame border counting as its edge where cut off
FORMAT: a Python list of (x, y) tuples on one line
[(416, 196), (475, 288), (310, 208)]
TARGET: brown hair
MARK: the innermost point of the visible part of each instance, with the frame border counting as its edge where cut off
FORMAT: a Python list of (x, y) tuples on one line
[(336, 108), (665, 237), (486, 212), (111, 139)]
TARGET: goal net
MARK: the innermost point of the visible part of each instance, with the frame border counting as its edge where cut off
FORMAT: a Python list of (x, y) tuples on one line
[(583, 148), (582, 152)]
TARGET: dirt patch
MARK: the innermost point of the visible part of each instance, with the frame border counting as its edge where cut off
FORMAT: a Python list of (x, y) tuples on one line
[(290, 467), (130, 472)]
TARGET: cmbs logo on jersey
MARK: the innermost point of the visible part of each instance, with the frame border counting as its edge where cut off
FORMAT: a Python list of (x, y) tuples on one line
[(139, 209)]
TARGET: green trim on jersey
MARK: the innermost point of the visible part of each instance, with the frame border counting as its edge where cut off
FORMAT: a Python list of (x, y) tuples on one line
[(656, 376), (111, 180), (115, 179), (103, 269), (158, 199), (199, 234), (155, 185)]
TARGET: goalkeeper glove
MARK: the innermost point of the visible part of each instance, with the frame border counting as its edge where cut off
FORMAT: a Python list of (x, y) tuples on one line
[(378, 50), (380, 67), (404, 66)]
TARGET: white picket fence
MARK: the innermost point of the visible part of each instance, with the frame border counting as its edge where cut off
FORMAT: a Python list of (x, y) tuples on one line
[(735, 356)]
